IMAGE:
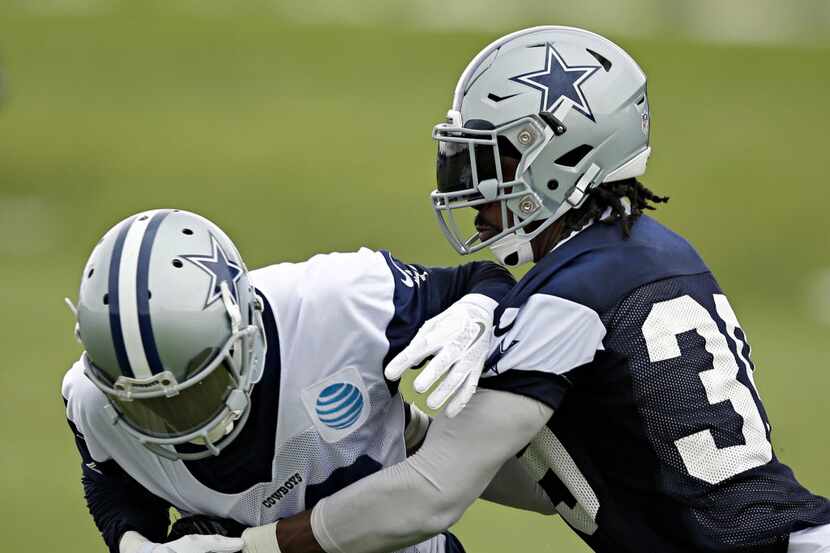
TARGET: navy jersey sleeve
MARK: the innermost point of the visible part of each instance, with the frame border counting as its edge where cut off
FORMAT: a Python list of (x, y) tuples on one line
[(118, 503), (423, 292), (551, 322)]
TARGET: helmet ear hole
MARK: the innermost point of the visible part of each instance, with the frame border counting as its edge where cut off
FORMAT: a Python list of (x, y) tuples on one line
[(573, 157), (508, 149), (509, 157), (512, 260)]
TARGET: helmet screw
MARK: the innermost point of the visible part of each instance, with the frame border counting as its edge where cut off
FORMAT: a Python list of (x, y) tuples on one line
[(528, 205), (525, 136)]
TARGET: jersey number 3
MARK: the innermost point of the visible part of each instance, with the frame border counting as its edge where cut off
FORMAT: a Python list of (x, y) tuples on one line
[(702, 457)]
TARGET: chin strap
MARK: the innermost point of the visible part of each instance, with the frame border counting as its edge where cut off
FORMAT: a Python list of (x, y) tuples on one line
[(513, 250), (74, 310), (231, 307)]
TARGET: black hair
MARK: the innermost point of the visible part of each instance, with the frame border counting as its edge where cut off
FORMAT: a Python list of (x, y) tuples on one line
[(610, 195)]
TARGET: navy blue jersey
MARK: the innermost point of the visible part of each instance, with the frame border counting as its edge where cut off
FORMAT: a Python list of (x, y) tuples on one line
[(659, 440)]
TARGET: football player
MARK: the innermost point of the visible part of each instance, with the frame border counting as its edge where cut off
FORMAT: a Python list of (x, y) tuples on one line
[(244, 396), (618, 374)]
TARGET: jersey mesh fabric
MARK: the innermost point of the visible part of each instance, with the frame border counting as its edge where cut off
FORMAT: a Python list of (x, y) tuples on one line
[(663, 424), (335, 464), (747, 508), (548, 462)]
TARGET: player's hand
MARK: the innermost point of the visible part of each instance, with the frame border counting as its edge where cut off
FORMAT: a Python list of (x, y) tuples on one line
[(197, 544), (261, 539), (205, 525), (459, 338), (133, 542)]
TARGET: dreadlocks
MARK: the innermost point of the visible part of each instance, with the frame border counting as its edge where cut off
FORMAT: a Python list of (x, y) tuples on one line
[(611, 195)]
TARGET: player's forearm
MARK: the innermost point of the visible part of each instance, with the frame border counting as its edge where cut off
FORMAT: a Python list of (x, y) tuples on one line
[(295, 535), (414, 500), (115, 500), (117, 505), (400, 507), (514, 487)]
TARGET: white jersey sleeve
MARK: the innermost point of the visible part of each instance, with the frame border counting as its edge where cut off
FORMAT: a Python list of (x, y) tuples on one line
[(538, 344)]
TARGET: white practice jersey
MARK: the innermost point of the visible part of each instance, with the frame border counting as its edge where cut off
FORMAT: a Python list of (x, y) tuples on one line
[(322, 415)]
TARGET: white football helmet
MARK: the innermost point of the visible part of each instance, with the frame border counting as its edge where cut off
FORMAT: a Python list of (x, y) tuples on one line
[(172, 330), (567, 104)]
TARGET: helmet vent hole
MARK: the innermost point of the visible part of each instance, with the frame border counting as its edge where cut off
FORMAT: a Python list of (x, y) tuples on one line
[(106, 299), (187, 231), (553, 184), (142, 218), (177, 263), (149, 295), (89, 274), (641, 101), (572, 158), (606, 64)]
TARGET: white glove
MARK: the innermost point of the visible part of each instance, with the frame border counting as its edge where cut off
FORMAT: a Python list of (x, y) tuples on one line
[(460, 336), (261, 539), (133, 542)]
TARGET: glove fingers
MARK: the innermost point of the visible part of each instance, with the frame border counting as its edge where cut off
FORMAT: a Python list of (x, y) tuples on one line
[(413, 355), (216, 544), (448, 387), (461, 382), (462, 397), (436, 368), (230, 545)]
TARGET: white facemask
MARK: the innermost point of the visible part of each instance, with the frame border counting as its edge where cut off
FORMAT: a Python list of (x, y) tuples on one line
[(222, 429)]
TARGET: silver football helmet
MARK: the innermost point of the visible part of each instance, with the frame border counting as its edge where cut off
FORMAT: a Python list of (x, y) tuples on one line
[(172, 330), (568, 105)]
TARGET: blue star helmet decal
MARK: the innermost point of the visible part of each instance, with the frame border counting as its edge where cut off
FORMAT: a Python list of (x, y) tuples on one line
[(559, 81), (220, 268)]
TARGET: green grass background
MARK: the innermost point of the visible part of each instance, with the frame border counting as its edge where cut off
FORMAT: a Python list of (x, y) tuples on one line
[(305, 139)]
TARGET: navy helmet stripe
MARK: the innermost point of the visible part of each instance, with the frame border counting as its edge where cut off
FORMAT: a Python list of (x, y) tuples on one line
[(113, 300), (142, 294)]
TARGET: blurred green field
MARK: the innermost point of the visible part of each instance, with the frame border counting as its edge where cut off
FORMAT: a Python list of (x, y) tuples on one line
[(305, 139)]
